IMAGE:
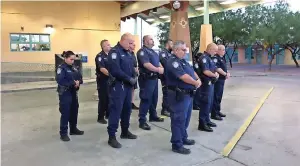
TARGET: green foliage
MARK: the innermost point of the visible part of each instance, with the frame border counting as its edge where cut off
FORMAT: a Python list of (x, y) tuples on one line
[(163, 34), (259, 25)]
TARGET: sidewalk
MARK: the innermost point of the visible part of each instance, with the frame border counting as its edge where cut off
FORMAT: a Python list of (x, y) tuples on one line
[(41, 85)]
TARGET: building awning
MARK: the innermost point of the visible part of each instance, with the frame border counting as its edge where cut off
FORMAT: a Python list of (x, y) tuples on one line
[(159, 11)]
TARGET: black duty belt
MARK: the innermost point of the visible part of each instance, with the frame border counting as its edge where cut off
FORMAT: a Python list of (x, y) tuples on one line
[(185, 91), (149, 75)]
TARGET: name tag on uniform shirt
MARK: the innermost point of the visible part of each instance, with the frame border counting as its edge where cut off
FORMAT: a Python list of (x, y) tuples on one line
[(69, 71)]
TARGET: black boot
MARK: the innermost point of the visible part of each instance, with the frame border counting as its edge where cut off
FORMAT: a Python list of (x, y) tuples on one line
[(102, 121), (211, 124), (181, 150), (145, 126), (204, 127), (112, 141), (65, 138), (134, 107), (189, 142), (76, 131), (156, 119), (221, 114), (165, 112), (125, 134), (216, 117)]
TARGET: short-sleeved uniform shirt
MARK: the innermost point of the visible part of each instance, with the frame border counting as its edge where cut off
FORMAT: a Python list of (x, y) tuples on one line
[(101, 62), (147, 55), (220, 63), (164, 55), (206, 63), (175, 68)]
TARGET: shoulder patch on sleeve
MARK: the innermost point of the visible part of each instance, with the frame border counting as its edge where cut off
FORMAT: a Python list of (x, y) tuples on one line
[(163, 55), (175, 64), (215, 60), (99, 59), (114, 55), (196, 66), (142, 53), (204, 60), (58, 71)]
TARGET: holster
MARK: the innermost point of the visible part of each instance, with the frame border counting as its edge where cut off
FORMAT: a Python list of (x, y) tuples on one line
[(111, 81), (214, 80), (61, 89)]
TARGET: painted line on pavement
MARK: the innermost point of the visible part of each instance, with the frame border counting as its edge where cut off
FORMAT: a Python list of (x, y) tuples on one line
[(231, 144)]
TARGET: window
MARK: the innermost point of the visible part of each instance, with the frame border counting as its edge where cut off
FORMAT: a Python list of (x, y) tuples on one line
[(21, 42)]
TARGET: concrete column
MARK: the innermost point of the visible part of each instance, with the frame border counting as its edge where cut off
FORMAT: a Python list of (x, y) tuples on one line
[(179, 25), (206, 29), (206, 12)]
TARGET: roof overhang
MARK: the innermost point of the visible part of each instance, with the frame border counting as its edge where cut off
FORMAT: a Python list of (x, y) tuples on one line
[(160, 11)]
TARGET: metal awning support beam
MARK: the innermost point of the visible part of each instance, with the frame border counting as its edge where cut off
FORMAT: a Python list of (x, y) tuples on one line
[(141, 6)]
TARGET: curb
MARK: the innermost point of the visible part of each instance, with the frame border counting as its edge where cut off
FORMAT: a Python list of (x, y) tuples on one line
[(38, 88)]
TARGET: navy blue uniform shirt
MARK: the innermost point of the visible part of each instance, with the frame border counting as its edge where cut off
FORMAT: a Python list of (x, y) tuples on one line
[(120, 63), (65, 75), (101, 62), (175, 68), (220, 63), (164, 55), (147, 55), (205, 63), (134, 59)]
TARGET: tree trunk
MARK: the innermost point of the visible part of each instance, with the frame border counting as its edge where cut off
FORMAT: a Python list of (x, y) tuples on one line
[(272, 57), (230, 58), (295, 60)]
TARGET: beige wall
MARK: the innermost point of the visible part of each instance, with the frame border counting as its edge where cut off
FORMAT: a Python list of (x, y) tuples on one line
[(241, 55), (34, 16), (287, 57)]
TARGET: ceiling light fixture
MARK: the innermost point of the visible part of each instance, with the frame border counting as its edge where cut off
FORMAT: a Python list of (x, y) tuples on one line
[(150, 19), (228, 2), (164, 16), (199, 8)]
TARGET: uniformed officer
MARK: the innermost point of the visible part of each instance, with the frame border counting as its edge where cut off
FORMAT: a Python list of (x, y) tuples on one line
[(121, 82), (68, 80), (204, 95), (102, 77), (149, 67), (163, 57), (219, 85), (181, 81), (131, 49)]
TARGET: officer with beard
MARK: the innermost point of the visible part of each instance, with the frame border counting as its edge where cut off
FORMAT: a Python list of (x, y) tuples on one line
[(164, 55), (149, 69)]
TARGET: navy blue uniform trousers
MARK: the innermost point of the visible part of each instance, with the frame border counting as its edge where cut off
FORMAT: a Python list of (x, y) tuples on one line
[(103, 99), (219, 88), (149, 97), (204, 97), (68, 107), (120, 96), (180, 112)]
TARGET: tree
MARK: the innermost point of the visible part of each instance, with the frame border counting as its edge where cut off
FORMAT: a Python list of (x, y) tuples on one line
[(163, 34), (228, 29), (259, 26)]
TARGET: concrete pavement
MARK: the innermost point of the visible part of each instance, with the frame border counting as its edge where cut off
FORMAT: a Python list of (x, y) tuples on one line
[(30, 124)]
